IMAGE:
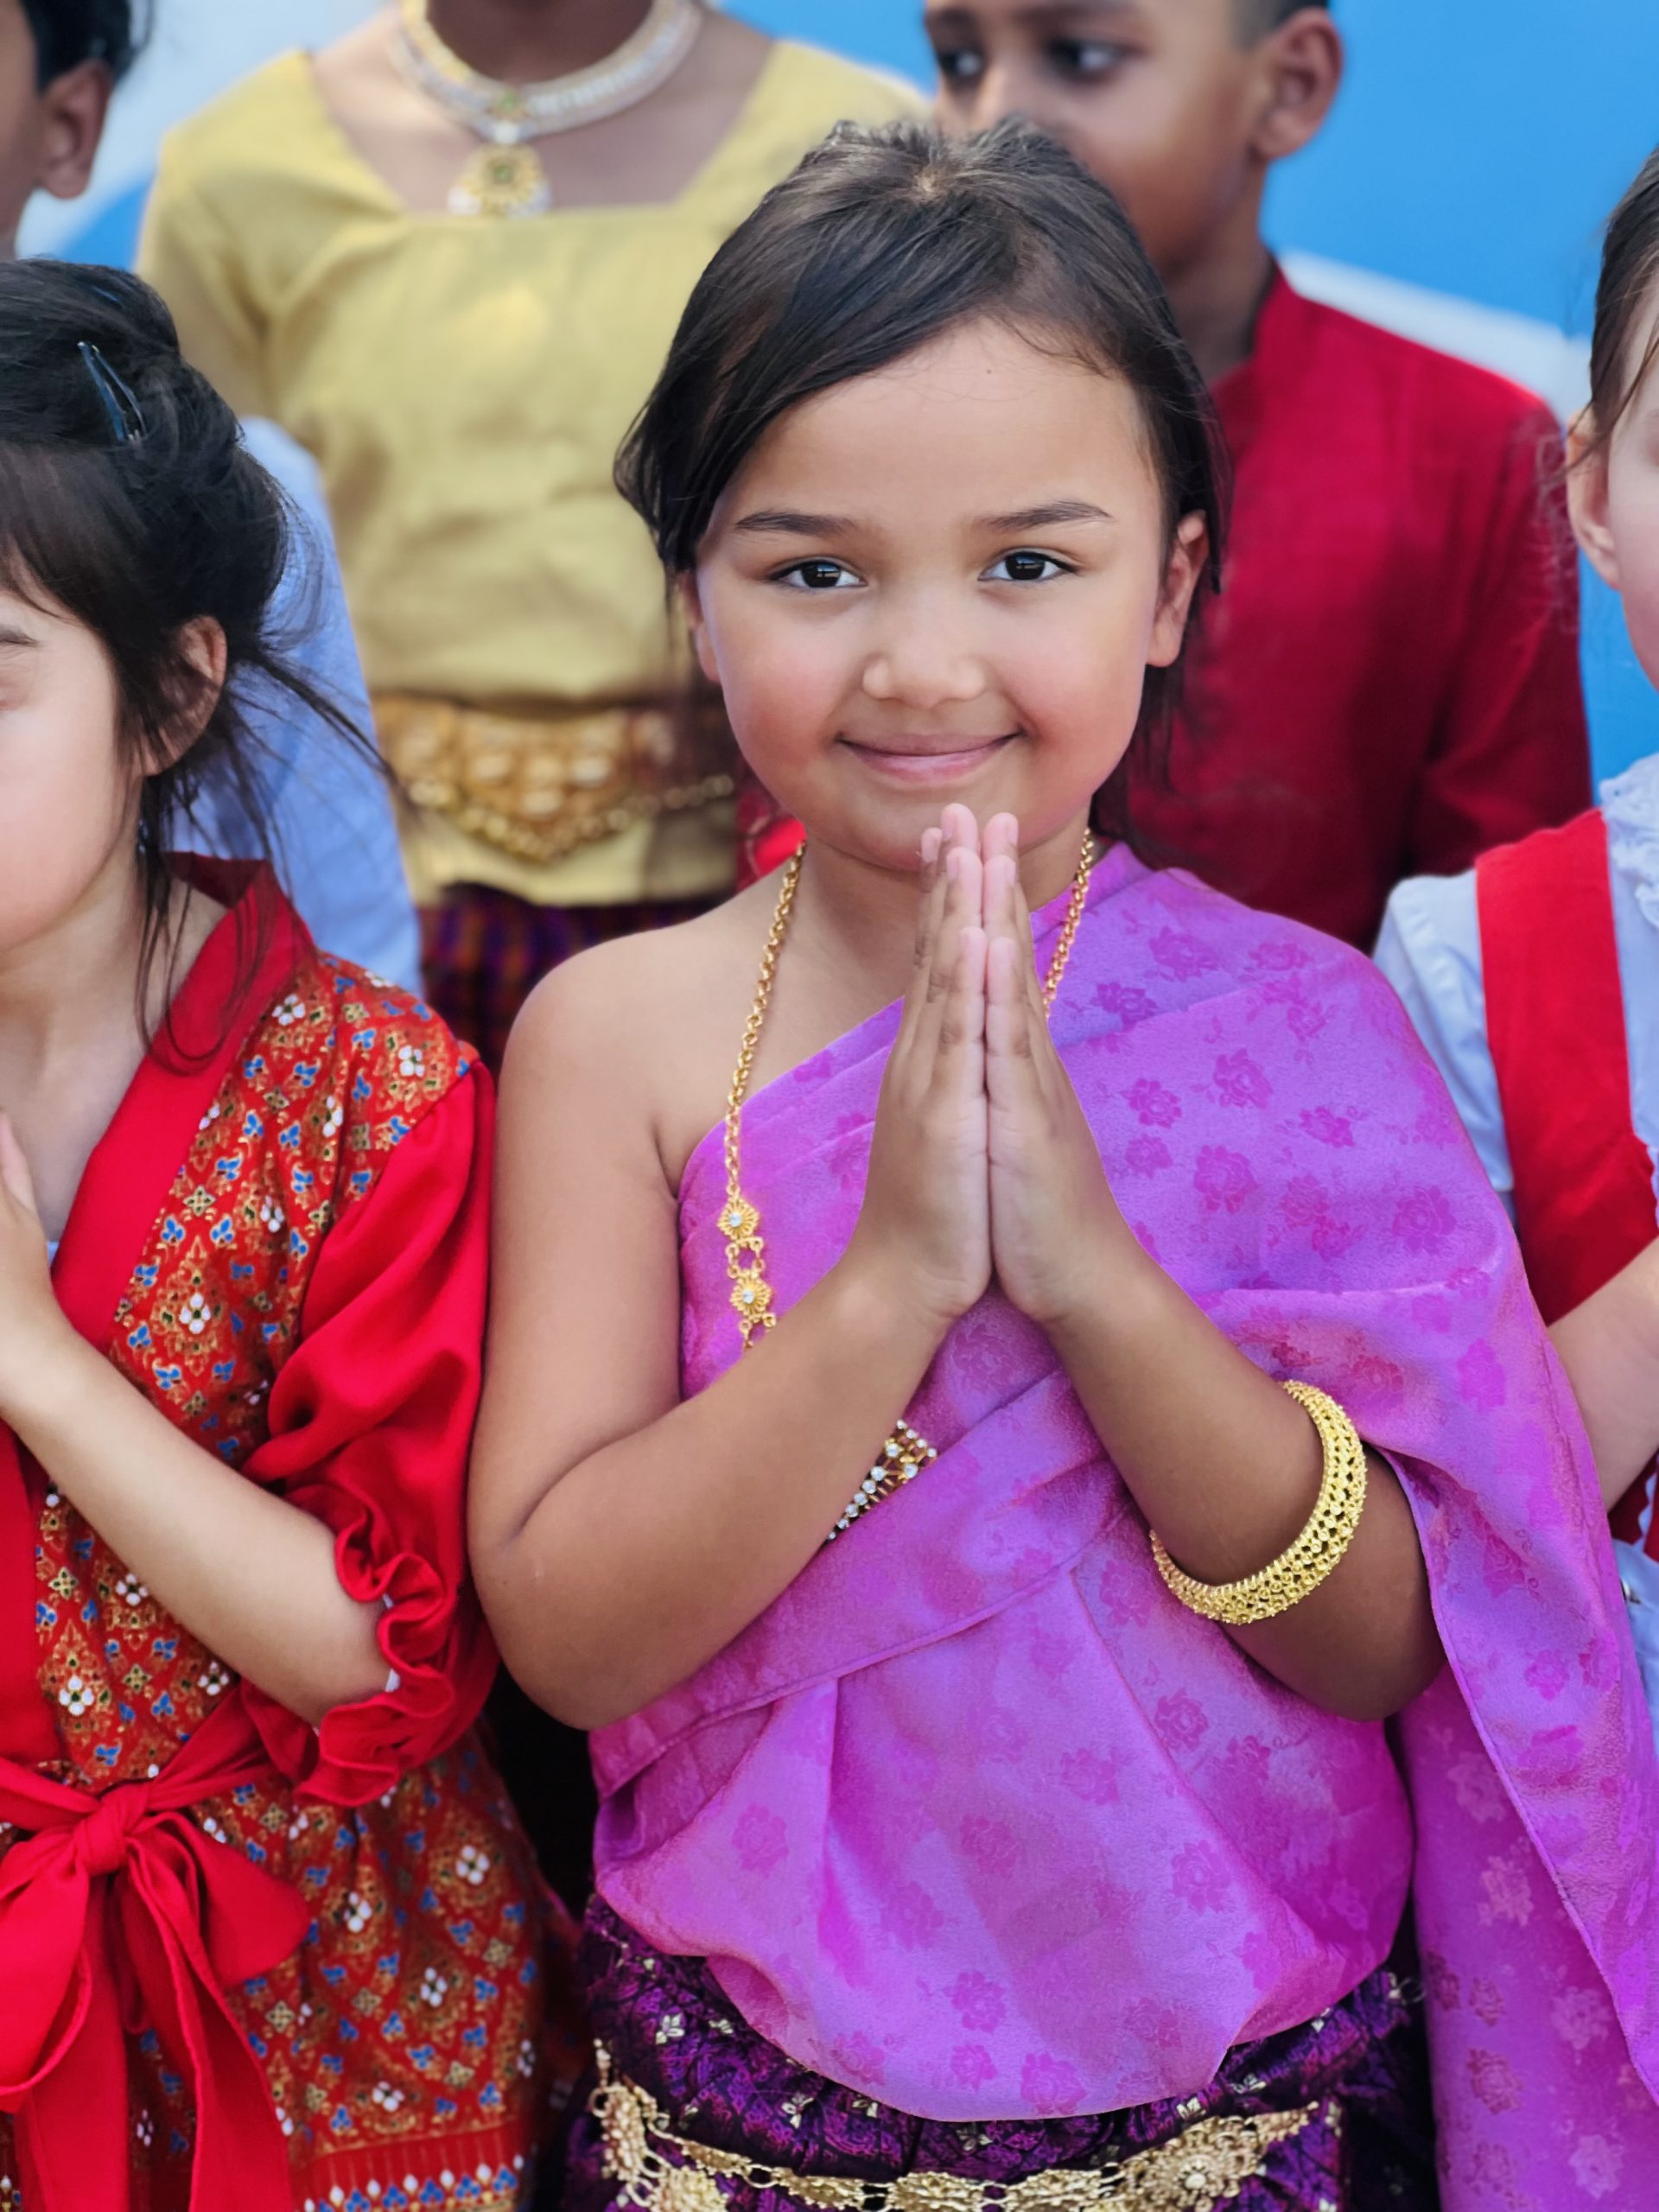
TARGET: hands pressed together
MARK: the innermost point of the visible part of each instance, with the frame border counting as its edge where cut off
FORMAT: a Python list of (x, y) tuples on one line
[(982, 1163)]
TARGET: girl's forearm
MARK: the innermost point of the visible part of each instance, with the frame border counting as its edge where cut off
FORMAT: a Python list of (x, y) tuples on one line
[(647, 1557), (248, 1574), (1609, 1348), (1226, 1467)]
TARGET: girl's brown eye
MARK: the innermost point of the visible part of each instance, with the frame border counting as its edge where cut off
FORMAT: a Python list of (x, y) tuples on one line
[(1025, 568)]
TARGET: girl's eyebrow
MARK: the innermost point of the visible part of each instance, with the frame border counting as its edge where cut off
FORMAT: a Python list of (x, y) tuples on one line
[(785, 522), (1047, 516)]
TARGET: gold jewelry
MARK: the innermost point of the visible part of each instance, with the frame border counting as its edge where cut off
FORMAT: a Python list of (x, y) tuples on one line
[(1295, 1573), (903, 1457), (1200, 2170), (506, 178), (740, 1218), (542, 786)]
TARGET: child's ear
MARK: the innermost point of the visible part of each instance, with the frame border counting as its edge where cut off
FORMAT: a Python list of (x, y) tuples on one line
[(1586, 497), (206, 655), (1302, 70), (690, 600), (1186, 560), (73, 109)]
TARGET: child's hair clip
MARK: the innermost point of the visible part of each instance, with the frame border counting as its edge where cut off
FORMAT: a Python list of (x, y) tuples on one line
[(120, 401)]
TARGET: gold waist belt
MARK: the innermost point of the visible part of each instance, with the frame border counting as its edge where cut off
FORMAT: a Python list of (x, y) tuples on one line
[(540, 786), (1200, 2170)]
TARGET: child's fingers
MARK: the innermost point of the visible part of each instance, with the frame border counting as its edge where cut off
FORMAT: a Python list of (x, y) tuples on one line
[(963, 910), (1001, 889), (930, 911), (1002, 836), (958, 1067), (1011, 1073)]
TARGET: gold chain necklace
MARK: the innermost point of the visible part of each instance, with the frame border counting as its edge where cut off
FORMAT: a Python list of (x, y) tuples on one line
[(905, 1454), (506, 177)]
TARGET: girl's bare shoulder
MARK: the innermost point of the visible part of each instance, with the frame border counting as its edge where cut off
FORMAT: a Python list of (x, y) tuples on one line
[(647, 1024)]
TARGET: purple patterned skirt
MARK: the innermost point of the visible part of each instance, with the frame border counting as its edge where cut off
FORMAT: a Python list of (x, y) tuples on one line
[(687, 2059)]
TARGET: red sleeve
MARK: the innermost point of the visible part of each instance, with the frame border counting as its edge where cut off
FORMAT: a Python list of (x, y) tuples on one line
[(370, 1422), (1513, 751)]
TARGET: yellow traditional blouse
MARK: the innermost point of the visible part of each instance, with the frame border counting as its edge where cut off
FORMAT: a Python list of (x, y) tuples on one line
[(464, 384)]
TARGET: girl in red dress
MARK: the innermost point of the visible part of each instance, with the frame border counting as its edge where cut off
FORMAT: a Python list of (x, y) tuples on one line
[(269, 1936)]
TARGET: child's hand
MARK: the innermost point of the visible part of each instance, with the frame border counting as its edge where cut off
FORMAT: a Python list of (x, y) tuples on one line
[(925, 1222), (1054, 1222), (30, 1317)]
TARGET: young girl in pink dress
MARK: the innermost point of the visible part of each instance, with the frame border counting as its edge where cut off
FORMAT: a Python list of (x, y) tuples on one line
[(1005, 1376)]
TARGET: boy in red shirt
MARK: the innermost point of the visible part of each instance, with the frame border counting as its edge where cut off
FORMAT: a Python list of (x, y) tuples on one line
[(1389, 684), (1390, 681)]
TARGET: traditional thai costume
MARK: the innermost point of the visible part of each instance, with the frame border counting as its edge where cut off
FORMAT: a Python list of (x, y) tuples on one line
[(979, 1860), (248, 1962), (464, 384)]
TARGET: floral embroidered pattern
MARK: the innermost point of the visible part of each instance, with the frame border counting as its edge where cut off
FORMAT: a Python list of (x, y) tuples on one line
[(401, 2041)]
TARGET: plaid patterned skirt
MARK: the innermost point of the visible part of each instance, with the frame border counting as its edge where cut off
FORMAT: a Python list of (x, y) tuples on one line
[(484, 952)]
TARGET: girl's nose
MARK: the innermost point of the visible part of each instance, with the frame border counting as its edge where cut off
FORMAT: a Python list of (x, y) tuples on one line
[(923, 676)]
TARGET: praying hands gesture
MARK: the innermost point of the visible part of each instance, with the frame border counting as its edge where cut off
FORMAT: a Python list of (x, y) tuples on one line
[(984, 1167), (983, 1162)]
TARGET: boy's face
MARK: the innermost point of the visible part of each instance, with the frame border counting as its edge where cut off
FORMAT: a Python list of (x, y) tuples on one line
[(1166, 101), (47, 139)]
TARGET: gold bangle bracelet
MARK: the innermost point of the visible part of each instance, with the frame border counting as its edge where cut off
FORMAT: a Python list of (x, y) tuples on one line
[(1297, 1572)]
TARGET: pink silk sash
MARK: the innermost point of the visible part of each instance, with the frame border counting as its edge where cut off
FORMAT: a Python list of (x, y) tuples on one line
[(976, 1819)]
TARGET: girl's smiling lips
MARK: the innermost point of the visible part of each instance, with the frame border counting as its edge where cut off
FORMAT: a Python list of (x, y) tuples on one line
[(919, 759)]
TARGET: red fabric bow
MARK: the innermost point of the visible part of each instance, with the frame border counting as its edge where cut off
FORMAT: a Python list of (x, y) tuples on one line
[(118, 1913)]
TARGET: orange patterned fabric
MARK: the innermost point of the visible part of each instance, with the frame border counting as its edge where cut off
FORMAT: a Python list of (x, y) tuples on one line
[(404, 2043)]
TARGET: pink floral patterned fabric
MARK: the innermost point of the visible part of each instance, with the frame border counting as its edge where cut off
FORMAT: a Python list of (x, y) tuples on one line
[(978, 1820)]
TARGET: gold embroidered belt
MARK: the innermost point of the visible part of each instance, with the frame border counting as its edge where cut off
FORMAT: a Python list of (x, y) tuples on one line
[(1202, 2168), (540, 786)]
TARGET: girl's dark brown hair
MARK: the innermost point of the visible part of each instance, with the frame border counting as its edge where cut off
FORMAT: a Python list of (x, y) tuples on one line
[(879, 242), (1629, 286), (129, 502)]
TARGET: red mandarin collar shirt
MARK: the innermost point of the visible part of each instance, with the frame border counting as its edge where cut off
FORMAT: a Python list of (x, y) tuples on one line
[(1389, 683)]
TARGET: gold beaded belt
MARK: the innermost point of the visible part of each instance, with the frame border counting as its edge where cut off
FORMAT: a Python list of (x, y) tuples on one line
[(540, 786), (1202, 2168)]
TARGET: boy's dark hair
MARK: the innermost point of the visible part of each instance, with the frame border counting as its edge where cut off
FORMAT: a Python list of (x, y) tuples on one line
[(69, 32), (129, 502), (1630, 284), (1257, 18), (879, 242)]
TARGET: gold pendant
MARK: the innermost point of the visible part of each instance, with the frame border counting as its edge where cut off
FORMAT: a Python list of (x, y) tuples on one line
[(502, 180)]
